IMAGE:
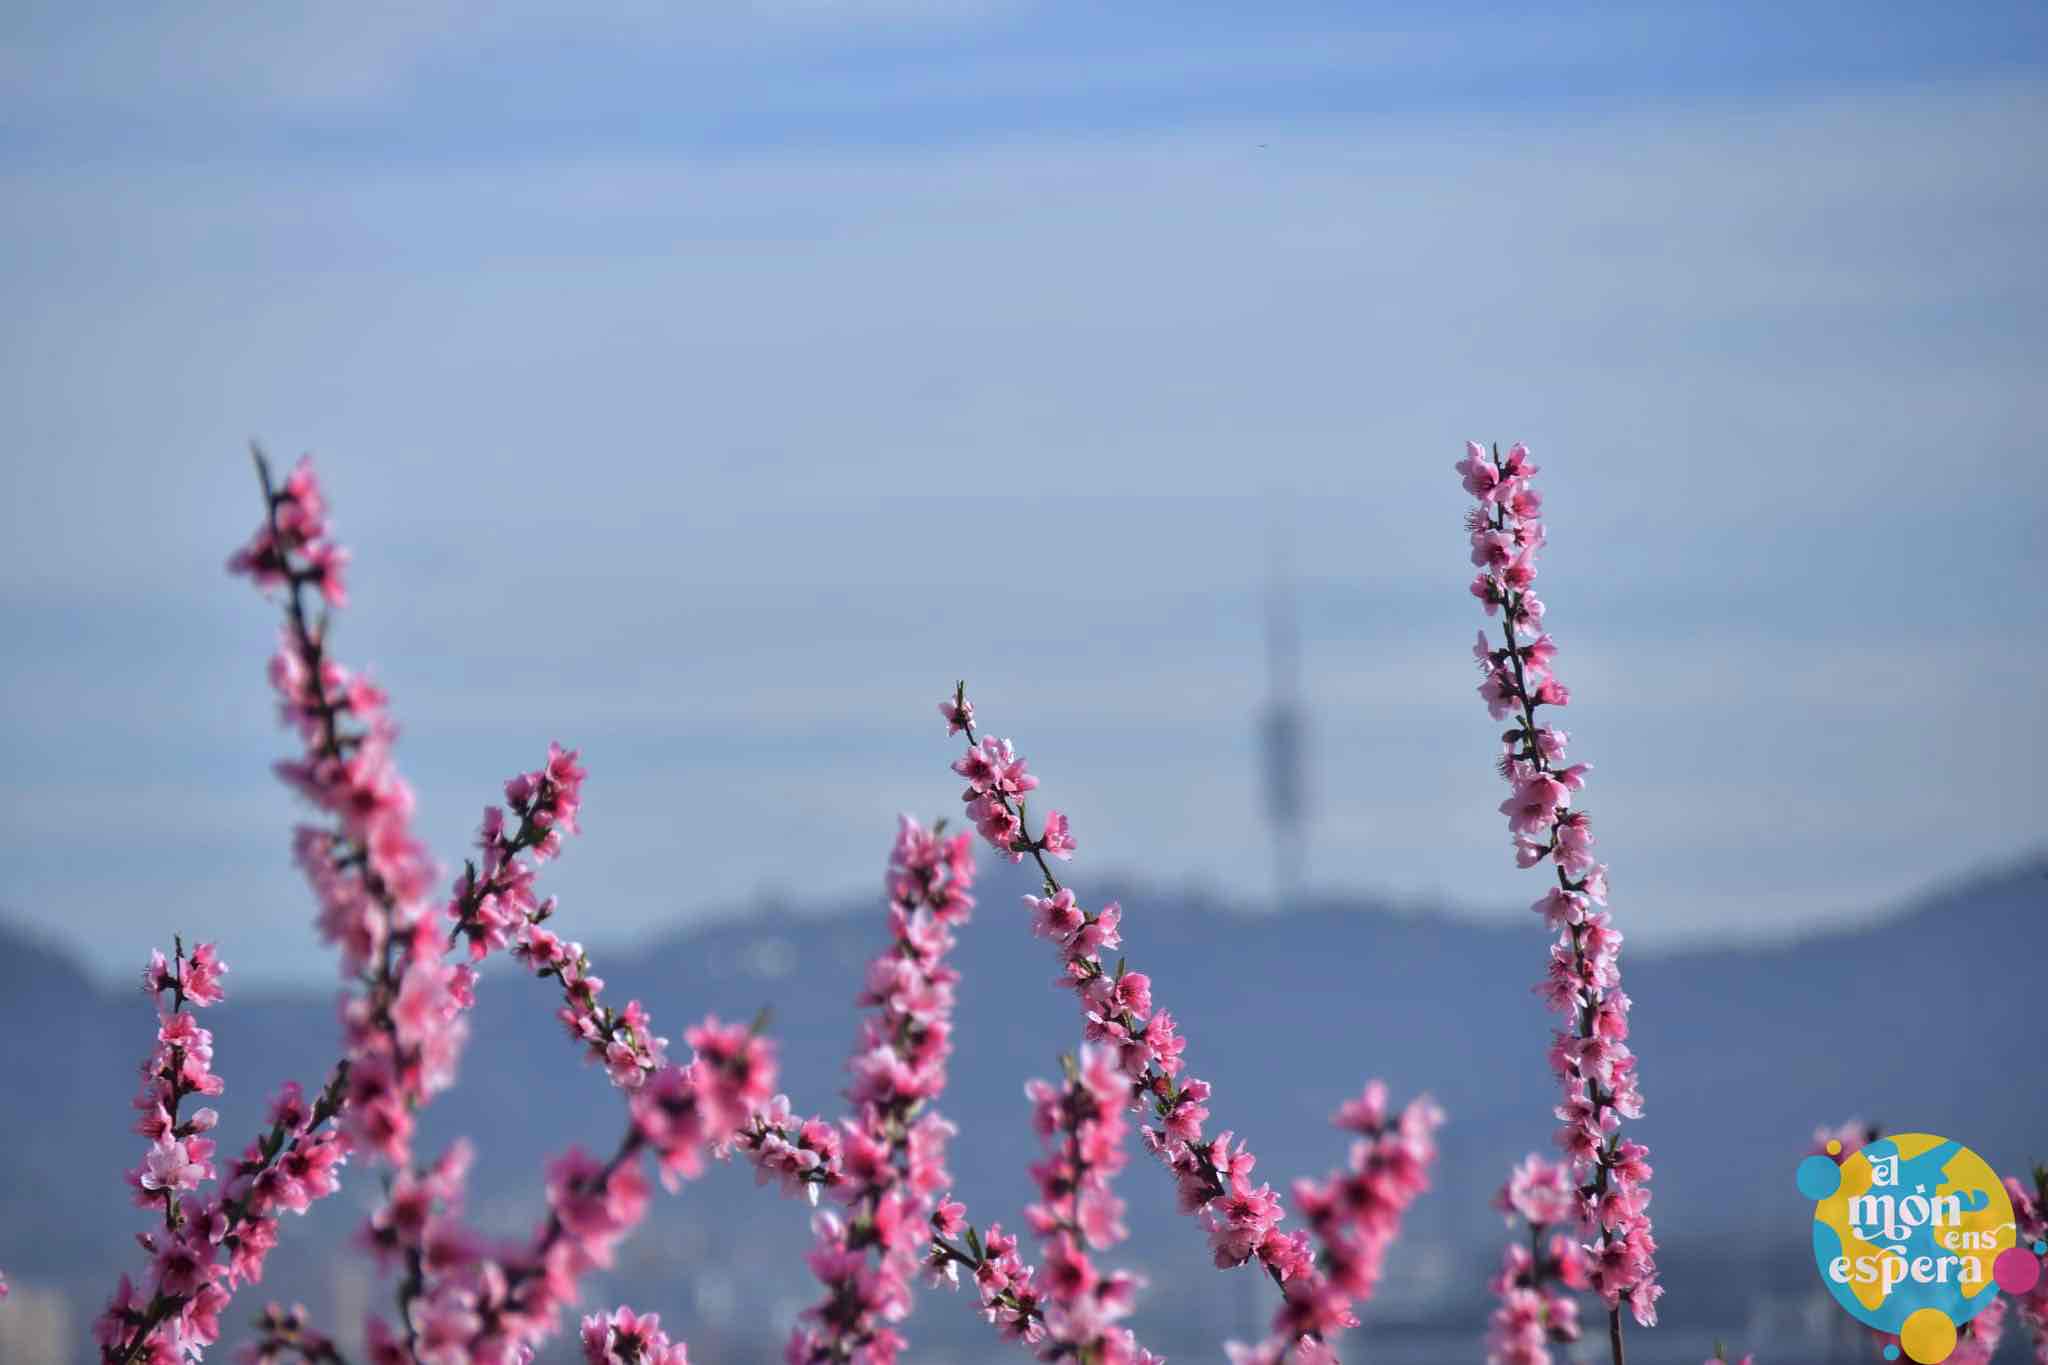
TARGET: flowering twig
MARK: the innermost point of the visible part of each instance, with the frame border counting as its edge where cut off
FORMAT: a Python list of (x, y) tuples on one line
[(893, 1149), (1534, 1312), (1011, 1297), (466, 1302), (1213, 1176), (1355, 1214), (404, 1028), (1082, 1125), (456, 1301), (1590, 1057), (494, 1306), (1117, 1010), (287, 1168), (1070, 1310)]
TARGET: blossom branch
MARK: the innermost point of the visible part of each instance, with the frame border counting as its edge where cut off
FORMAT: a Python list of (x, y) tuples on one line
[(287, 1168), (1591, 1057), (494, 1306), (1082, 1125), (1535, 1313), (1117, 1010), (1213, 1176), (404, 1028), (893, 1146), (1355, 1214)]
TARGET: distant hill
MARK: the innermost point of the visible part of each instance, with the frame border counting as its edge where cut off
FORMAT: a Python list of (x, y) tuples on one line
[(1929, 1019)]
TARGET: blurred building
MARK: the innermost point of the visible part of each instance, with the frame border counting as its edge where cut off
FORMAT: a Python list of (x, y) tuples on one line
[(1282, 738)]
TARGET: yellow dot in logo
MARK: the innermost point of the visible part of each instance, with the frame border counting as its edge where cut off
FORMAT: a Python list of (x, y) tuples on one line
[(1834, 1147), (1928, 1336)]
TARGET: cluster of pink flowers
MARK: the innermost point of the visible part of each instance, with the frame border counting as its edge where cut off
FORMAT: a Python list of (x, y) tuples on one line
[(405, 1039), (1590, 1056), (293, 545), (733, 1082), (622, 1041), (292, 1164), (1535, 1311), (1355, 1214), (493, 901), (624, 1337), (371, 875), (1213, 1175), (892, 1151), (404, 1028), (463, 1299), (492, 1305), (480, 1305), (1083, 1129), (1071, 1309), (1012, 1299), (1117, 1012)]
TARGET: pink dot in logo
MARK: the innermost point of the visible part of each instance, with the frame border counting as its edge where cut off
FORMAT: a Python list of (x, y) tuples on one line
[(2016, 1270)]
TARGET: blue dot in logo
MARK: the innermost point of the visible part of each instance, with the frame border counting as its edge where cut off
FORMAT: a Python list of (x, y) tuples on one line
[(1819, 1177), (1891, 1353), (2041, 1248)]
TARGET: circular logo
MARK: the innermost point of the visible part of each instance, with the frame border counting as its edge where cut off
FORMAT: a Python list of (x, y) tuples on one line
[(1911, 1234)]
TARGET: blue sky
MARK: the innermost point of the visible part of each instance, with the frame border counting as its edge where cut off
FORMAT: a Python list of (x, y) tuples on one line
[(711, 386)]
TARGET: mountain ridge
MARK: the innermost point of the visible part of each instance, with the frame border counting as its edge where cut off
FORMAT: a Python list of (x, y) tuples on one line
[(1744, 1050)]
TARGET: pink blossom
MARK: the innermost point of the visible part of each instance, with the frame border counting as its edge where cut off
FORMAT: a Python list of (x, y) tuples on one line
[(169, 1166), (627, 1338), (958, 711), (1539, 1192), (183, 1266), (1055, 837), (1056, 917), (1354, 1215), (202, 974), (184, 1310)]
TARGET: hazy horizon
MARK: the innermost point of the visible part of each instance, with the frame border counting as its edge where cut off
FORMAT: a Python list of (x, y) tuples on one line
[(712, 390), (1141, 899)]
